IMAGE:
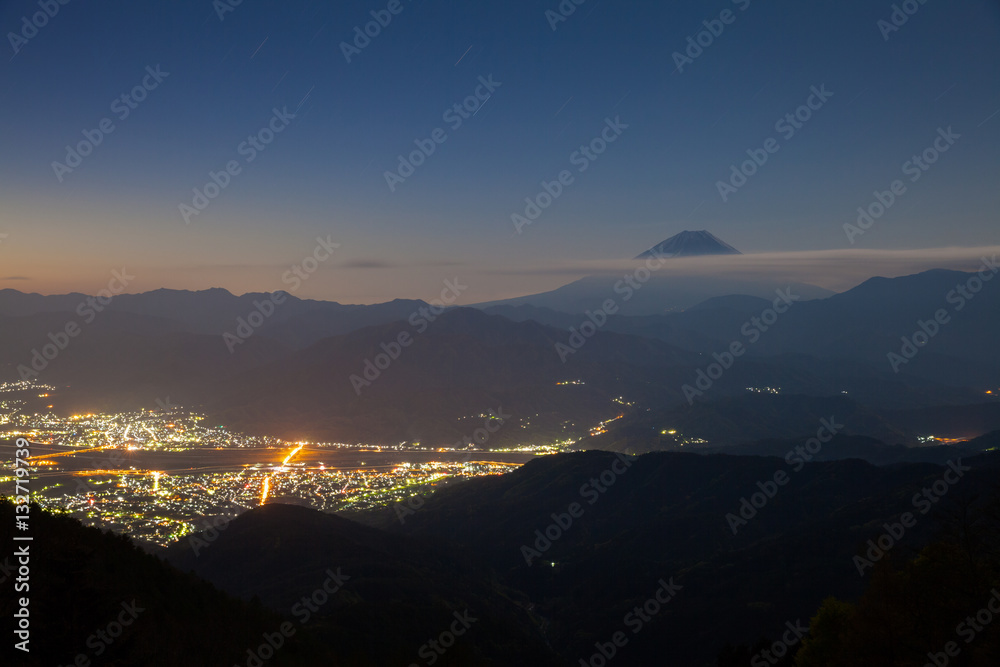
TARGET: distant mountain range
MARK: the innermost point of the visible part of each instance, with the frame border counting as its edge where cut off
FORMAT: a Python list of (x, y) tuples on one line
[(297, 322), (400, 372), (308, 369), (657, 295)]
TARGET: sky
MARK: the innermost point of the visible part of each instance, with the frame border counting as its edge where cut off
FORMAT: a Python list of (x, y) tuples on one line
[(338, 114)]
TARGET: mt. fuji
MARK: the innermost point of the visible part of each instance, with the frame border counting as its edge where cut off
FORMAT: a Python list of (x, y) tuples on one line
[(690, 244)]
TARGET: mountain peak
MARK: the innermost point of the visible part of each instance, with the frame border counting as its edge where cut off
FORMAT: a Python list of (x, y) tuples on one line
[(690, 244)]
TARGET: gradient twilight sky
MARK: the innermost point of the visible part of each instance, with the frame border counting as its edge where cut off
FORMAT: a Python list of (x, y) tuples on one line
[(324, 174)]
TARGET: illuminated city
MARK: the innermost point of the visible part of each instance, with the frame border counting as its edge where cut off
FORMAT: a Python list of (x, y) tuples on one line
[(161, 474)]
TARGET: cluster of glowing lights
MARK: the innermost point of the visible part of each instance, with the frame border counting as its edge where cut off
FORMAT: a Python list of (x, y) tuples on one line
[(602, 427)]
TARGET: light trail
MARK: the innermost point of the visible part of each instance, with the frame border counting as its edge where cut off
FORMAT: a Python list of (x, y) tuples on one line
[(289, 457), (70, 453), (108, 473), (265, 490)]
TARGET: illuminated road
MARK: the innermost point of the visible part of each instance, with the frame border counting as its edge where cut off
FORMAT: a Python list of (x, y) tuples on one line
[(72, 452), (289, 457)]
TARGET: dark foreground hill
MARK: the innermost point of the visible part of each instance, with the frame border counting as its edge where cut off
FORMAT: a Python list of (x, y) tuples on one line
[(342, 594), (395, 592), (665, 517), (568, 546), (667, 554), (97, 595)]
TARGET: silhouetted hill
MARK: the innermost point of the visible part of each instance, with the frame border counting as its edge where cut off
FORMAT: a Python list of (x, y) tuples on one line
[(666, 516), (294, 323), (968, 421), (83, 580), (464, 363), (984, 443), (555, 556), (123, 360), (735, 421), (397, 592), (935, 609), (843, 447), (659, 294), (770, 425), (838, 343), (867, 322)]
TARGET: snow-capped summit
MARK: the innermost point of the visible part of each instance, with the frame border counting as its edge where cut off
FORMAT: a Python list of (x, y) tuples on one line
[(690, 244)]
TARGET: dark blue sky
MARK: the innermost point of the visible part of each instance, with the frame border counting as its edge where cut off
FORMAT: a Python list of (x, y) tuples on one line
[(324, 173)]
